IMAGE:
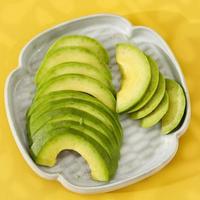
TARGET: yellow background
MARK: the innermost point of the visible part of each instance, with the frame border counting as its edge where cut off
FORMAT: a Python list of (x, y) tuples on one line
[(178, 21)]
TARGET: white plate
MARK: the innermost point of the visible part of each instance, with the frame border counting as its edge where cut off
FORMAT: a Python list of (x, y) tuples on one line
[(144, 151)]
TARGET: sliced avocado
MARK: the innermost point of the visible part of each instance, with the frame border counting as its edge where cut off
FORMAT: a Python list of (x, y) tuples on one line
[(85, 129), (177, 104), (76, 68), (103, 141), (82, 105), (152, 85), (136, 75), (79, 83), (155, 116), (154, 101), (70, 54), (67, 94), (69, 139), (82, 41), (70, 114)]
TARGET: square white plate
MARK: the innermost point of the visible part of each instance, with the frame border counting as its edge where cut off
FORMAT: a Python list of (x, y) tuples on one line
[(144, 151)]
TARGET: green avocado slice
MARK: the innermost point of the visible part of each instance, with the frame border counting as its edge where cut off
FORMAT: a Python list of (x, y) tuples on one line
[(177, 104), (77, 68), (45, 152), (152, 86), (136, 75), (82, 105), (81, 83), (70, 54), (155, 116), (154, 101), (81, 41), (67, 94), (70, 114), (88, 130)]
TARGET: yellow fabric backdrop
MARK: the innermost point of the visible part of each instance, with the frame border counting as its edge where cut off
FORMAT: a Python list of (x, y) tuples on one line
[(178, 21)]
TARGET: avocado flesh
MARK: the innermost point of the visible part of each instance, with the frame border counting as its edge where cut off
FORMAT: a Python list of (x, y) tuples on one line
[(154, 101), (136, 76), (67, 94), (152, 85), (80, 83), (40, 135), (69, 139), (177, 104), (82, 105), (70, 54), (70, 114), (155, 116), (77, 68), (81, 41)]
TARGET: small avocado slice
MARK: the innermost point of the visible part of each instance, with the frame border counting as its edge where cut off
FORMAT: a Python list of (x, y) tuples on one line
[(79, 83), (71, 54), (152, 85), (76, 68), (82, 105), (136, 75), (67, 94), (155, 116), (82, 41), (177, 104), (70, 139), (154, 101), (70, 114)]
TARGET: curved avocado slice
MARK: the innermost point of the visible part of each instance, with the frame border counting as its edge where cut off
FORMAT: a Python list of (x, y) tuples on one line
[(70, 54), (82, 105), (67, 94), (154, 101), (155, 116), (152, 85), (81, 41), (177, 104), (79, 83), (85, 129), (46, 152), (70, 114), (136, 76), (77, 68)]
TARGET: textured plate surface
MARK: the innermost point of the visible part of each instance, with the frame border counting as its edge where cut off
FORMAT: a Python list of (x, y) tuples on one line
[(144, 151)]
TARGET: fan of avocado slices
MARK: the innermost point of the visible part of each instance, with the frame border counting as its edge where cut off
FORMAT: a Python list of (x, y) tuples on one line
[(74, 107), (145, 93)]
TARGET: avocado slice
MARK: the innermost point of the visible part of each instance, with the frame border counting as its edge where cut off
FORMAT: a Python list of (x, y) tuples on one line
[(66, 94), (70, 114), (76, 68), (152, 85), (85, 129), (154, 101), (155, 116), (79, 83), (71, 54), (177, 104), (70, 139), (136, 75), (81, 41), (82, 105)]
